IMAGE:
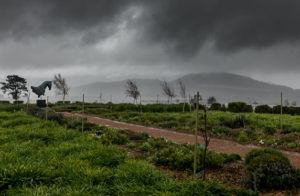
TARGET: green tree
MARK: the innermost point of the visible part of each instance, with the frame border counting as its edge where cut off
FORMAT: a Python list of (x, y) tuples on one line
[(15, 86), (211, 100)]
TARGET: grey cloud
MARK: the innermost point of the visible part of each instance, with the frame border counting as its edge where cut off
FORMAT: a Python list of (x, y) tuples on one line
[(231, 25), (31, 18), (182, 26)]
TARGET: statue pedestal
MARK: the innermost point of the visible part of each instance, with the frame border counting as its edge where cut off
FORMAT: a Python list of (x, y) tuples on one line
[(41, 103)]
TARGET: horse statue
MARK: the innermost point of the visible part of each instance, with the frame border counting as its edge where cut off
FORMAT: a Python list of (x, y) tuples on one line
[(40, 90)]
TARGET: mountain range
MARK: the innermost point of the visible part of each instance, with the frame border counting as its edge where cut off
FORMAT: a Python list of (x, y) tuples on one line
[(225, 87)]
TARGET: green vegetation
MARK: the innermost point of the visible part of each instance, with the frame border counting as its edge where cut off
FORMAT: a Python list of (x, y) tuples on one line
[(270, 169), (45, 158), (248, 127)]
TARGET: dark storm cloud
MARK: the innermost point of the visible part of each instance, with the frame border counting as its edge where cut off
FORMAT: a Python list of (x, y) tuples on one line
[(31, 18), (182, 26), (229, 25)]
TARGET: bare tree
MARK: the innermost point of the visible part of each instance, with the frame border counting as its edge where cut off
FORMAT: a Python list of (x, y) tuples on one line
[(182, 92), (168, 91), (100, 98), (206, 134), (286, 102), (61, 86), (132, 90)]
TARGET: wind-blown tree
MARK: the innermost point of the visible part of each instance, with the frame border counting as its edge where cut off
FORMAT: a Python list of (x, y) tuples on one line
[(211, 100), (61, 86), (15, 86), (168, 91), (182, 89), (132, 90)]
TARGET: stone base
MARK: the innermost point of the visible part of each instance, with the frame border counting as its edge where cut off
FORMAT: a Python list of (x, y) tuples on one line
[(41, 103)]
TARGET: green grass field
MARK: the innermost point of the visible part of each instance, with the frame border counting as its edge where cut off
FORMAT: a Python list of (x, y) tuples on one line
[(43, 158)]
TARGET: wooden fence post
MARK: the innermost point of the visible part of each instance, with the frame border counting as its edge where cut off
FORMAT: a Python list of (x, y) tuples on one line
[(281, 110), (47, 108), (196, 132), (82, 117), (28, 99)]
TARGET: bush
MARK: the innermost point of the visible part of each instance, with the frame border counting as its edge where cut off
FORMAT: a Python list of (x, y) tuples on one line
[(41, 113), (239, 107), (181, 158), (157, 142), (238, 122), (243, 138), (215, 106), (113, 136), (110, 156), (137, 136), (231, 157), (145, 147), (270, 130), (18, 102), (4, 102), (263, 109), (221, 131), (257, 152), (269, 169)]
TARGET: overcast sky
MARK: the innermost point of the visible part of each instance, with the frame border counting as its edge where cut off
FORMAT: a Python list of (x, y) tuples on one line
[(107, 40)]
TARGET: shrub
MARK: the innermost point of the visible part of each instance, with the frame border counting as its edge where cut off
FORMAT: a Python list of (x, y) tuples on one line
[(41, 113), (239, 107), (270, 130), (145, 147), (181, 158), (137, 136), (231, 157), (215, 106), (158, 142), (4, 102), (113, 136), (18, 102), (221, 131), (243, 138), (269, 169), (110, 156), (292, 145), (263, 109), (257, 152), (238, 122)]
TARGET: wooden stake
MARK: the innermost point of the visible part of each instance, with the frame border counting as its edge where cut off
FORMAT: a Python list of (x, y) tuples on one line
[(28, 99), (111, 103), (196, 136), (82, 118), (281, 110), (47, 108)]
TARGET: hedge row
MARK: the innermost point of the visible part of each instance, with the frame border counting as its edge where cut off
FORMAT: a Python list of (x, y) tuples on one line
[(276, 109)]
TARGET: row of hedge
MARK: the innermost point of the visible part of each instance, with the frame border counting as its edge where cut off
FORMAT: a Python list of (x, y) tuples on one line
[(276, 109), (232, 107)]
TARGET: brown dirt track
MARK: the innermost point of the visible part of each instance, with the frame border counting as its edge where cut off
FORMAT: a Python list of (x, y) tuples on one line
[(218, 145)]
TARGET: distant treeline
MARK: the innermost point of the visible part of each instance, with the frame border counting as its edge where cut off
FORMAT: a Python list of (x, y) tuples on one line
[(241, 107)]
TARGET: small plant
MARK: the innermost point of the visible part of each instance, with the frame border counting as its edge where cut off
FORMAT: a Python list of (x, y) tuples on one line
[(145, 147), (231, 157), (270, 130), (243, 138), (158, 142), (113, 136)]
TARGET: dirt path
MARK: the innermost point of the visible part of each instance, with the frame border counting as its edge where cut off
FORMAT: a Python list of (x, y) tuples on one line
[(218, 145)]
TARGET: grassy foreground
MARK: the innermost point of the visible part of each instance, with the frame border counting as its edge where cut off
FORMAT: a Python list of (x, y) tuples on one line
[(43, 158)]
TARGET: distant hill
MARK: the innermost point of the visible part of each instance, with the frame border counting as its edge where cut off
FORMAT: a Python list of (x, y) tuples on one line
[(225, 87)]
